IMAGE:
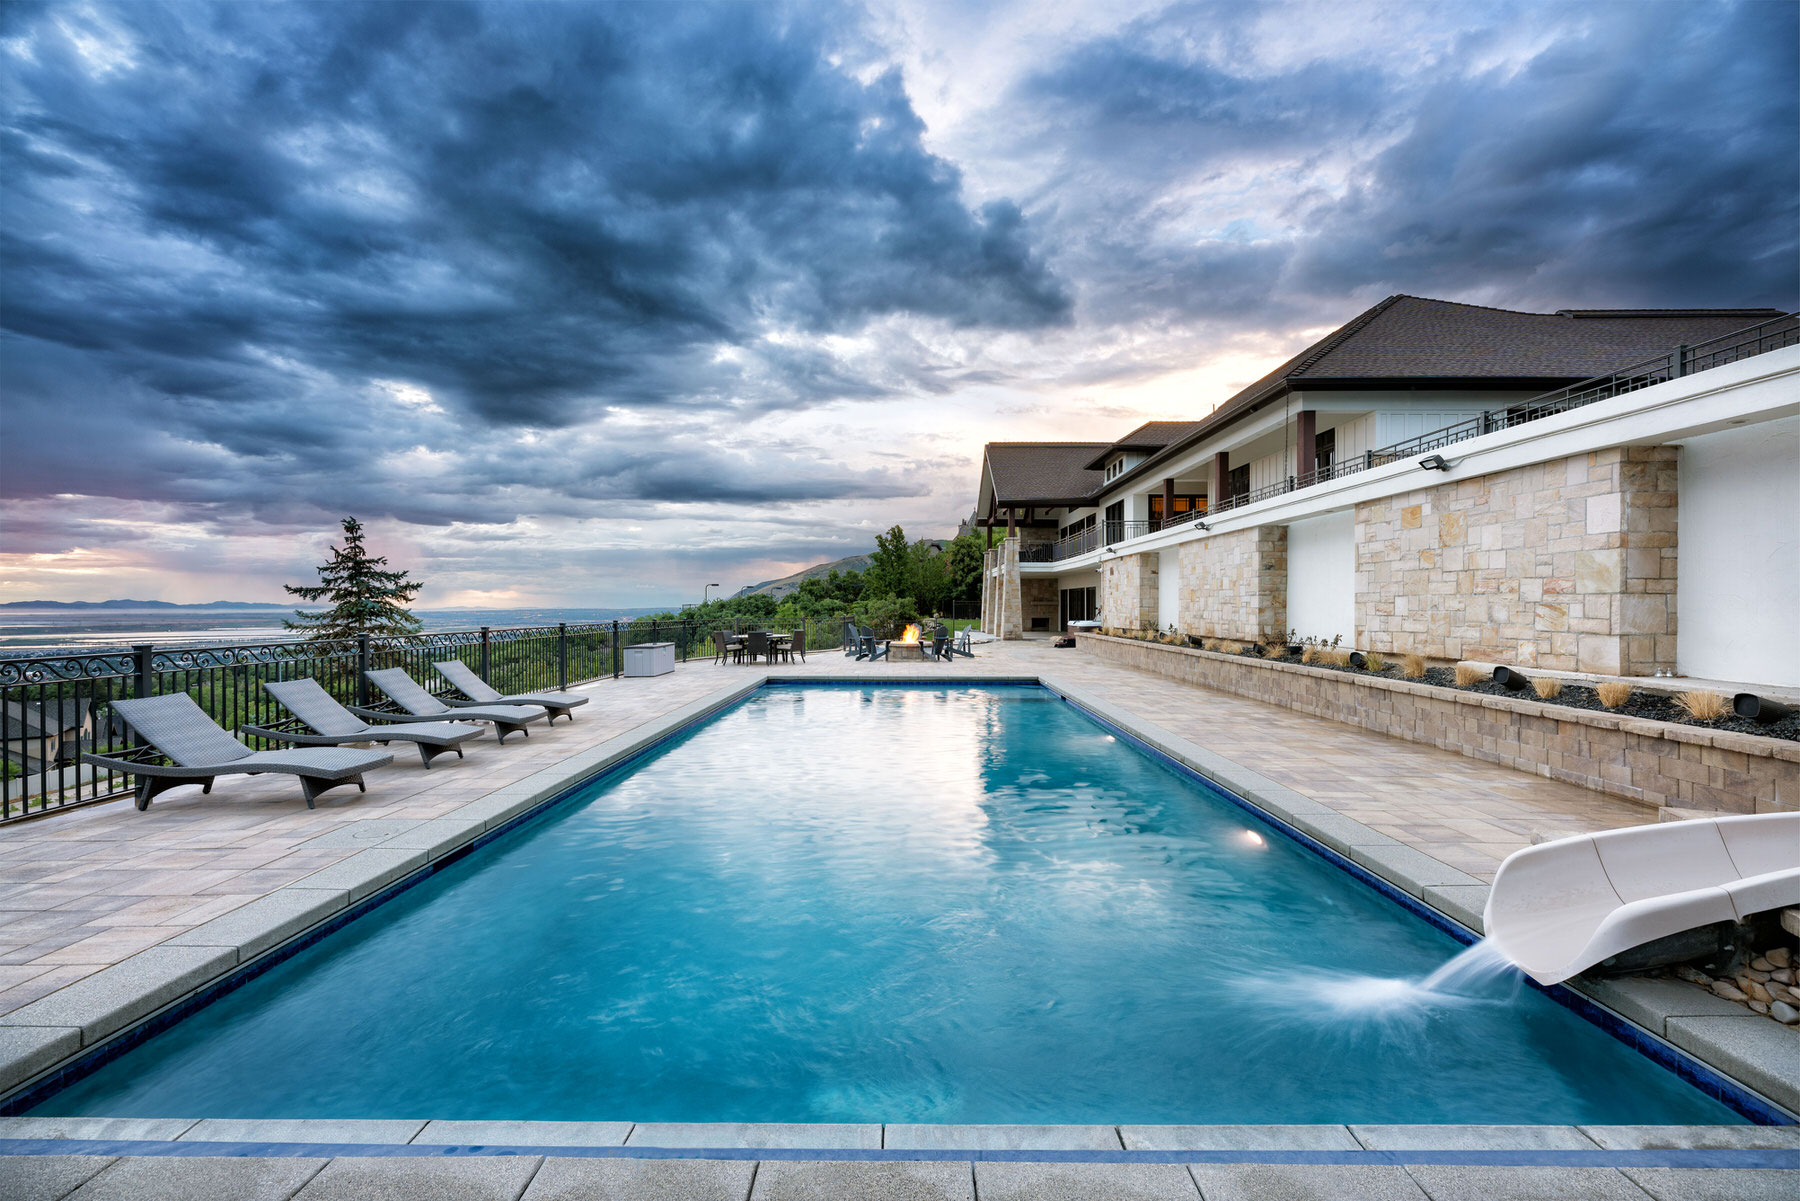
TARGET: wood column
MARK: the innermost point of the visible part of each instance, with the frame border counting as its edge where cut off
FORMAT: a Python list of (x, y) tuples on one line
[(1012, 523), (1168, 500), (1221, 484), (1306, 442)]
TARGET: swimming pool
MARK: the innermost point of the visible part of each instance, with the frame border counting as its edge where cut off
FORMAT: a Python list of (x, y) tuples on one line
[(883, 903)]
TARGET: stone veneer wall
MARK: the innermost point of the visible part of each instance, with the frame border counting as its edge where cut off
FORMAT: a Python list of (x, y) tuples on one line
[(1039, 602), (1567, 565), (1235, 585), (1128, 591), (1002, 602), (1671, 766)]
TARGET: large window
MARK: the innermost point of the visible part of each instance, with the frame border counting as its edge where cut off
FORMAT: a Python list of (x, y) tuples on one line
[(1076, 604), (1183, 505), (1239, 481), (1075, 527), (1325, 450), (1115, 521)]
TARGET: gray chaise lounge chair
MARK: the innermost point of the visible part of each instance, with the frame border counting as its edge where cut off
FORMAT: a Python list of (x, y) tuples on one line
[(416, 704), (556, 704), (178, 729), (333, 725)]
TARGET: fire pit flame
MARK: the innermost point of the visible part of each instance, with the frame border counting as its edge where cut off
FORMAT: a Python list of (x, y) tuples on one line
[(910, 634)]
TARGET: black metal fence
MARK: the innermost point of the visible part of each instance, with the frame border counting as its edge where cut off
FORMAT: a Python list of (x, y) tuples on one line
[(55, 706), (1773, 334)]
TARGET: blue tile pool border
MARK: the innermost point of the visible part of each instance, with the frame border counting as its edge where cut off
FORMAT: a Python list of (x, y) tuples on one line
[(1723, 1088), (1599, 1157)]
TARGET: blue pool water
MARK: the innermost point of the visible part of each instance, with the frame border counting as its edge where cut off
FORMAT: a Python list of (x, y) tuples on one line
[(961, 904)]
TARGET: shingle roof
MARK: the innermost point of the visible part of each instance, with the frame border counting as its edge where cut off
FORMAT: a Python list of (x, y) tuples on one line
[(1036, 473), (1152, 435), (1411, 337)]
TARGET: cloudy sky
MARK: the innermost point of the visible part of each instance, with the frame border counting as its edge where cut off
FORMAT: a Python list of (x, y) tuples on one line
[(594, 305)]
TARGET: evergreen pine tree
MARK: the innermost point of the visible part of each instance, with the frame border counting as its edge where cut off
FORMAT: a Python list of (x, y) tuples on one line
[(365, 598)]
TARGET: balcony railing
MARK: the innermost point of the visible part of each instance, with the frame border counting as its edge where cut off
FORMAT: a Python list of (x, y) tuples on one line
[(1773, 334)]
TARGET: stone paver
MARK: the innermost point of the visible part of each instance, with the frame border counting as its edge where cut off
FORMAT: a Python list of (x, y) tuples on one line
[(1523, 1184), (1719, 1184), (910, 1181), (641, 1180), (170, 1178), (864, 1136), (301, 1130), (1238, 1138), (1472, 1138), (1304, 1182), (1083, 1182), (489, 1178), (47, 1177), (1001, 1138), (523, 1134)]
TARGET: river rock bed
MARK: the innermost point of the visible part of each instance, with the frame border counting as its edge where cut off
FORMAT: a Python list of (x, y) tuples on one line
[(1768, 984)]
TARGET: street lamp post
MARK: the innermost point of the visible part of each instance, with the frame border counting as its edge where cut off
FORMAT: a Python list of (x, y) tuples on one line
[(705, 590)]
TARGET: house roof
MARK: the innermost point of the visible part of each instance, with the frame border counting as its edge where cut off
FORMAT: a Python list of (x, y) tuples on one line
[(1412, 339), (1152, 435), (1043, 473), (38, 719)]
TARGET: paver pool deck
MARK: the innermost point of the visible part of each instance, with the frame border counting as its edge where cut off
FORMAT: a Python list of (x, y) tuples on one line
[(105, 900)]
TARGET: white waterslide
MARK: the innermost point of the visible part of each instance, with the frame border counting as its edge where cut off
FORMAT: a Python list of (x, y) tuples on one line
[(1561, 907)]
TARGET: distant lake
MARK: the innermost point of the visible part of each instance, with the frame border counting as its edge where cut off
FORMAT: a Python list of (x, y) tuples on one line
[(36, 631)]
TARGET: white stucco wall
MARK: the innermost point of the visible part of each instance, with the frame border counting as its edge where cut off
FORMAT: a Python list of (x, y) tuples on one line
[(1321, 590), (1738, 558), (1168, 588)]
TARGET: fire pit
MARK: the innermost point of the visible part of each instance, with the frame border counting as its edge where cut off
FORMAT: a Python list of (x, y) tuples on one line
[(907, 648)]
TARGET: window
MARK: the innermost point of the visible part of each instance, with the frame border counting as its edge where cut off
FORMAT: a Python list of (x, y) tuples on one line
[(1325, 450), (1183, 504), (1115, 521), (1239, 481), (1076, 527)]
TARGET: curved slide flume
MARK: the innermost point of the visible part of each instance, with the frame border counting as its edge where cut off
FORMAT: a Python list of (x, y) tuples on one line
[(1561, 907)]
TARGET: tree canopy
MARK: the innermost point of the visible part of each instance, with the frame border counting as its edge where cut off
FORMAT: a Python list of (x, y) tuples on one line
[(365, 597)]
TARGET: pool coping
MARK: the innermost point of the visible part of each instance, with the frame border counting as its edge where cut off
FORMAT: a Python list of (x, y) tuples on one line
[(45, 1043)]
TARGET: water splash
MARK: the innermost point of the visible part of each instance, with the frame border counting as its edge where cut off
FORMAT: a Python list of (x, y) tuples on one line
[(1477, 973)]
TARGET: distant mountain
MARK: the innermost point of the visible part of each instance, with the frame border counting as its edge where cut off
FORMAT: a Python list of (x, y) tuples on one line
[(791, 583), (138, 604)]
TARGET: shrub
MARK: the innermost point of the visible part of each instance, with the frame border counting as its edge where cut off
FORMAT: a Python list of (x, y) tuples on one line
[(1469, 673), (1374, 661), (1548, 688), (1613, 694), (1335, 657), (1309, 653), (1702, 706), (1226, 646), (1413, 667)]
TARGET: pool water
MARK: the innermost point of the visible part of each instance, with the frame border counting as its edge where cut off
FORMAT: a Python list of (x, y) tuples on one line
[(960, 904)]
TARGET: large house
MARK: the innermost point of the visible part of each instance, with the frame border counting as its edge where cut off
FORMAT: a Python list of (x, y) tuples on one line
[(1345, 412)]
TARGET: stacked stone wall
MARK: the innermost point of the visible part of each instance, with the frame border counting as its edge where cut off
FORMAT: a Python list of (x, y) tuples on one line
[(1681, 769), (1567, 565), (1235, 585), (1129, 588), (1039, 603)]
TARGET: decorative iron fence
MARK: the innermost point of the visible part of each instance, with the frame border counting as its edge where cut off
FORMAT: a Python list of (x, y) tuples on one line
[(1773, 334), (54, 707)]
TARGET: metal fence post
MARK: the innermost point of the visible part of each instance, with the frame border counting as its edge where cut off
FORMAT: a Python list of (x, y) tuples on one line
[(484, 654), (145, 682), (362, 669), (1679, 359), (615, 647), (562, 656)]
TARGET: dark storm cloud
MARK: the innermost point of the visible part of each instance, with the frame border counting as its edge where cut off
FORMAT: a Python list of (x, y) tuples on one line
[(1645, 155), (224, 222)]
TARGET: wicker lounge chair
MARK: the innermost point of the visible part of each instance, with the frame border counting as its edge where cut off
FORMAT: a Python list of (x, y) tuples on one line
[(332, 725), (725, 647), (178, 729), (415, 704), (556, 704)]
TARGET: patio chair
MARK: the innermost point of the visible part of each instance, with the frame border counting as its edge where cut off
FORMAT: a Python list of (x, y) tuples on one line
[(871, 649), (724, 648), (796, 645), (852, 639), (465, 681), (939, 647), (179, 730), (333, 725), (756, 642), (961, 645), (413, 703)]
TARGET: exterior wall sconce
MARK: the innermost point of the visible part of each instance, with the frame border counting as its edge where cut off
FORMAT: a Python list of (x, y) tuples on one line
[(1434, 463), (1202, 527)]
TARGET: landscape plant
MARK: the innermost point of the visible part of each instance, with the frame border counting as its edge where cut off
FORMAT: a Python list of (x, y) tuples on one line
[(1548, 688), (1412, 666), (1702, 706), (1613, 693), (365, 597)]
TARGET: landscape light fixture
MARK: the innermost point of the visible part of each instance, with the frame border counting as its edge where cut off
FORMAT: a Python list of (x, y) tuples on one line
[(1202, 527), (1434, 463)]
